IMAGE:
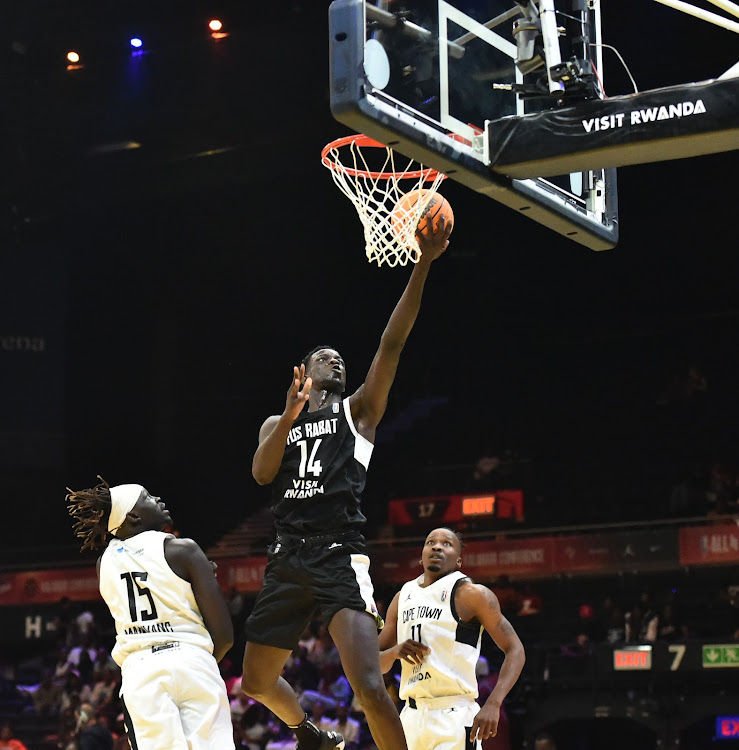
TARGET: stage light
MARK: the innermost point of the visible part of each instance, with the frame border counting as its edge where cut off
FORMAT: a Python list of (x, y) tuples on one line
[(136, 42), (215, 25), (73, 56)]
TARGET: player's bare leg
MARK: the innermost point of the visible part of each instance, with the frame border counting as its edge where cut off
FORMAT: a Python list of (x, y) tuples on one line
[(261, 681), (355, 636)]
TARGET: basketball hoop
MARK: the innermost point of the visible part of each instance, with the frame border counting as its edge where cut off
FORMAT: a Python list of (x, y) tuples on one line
[(389, 238)]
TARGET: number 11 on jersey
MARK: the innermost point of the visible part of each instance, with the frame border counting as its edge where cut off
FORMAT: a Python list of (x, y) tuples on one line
[(413, 633)]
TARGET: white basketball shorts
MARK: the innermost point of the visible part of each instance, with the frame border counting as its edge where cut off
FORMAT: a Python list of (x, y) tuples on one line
[(430, 728), (175, 699)]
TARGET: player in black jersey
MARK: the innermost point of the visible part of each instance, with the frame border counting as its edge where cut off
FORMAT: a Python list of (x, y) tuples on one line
[(316, 461)]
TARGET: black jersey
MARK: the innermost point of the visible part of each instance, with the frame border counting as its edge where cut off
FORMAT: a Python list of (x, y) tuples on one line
[(322, 475)]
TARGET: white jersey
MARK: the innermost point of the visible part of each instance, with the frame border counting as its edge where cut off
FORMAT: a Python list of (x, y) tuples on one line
[(428, 615), (150, 603)]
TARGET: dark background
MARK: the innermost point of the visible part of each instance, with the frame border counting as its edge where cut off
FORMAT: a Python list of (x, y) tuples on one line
[(153, 300)]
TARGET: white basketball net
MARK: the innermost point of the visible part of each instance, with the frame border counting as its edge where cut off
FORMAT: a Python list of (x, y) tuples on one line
[(389, 233)]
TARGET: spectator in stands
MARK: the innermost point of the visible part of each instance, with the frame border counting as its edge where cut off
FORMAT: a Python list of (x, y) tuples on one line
[(508, 597), (92, 733), (310, 635), (721, 485), (61, 666), (683, 386), (640, 624), (230, 678), (300, 672), (255, 727), (604, 615), (120, 740), (67, 729), (85, 626), (282, 738), (7, 740), (332, 689), (63, 621), (616, 626), (347, 727), (724, 613), (235, 601), (71, 693), (544, 741), (487, 679), (587, 624), (47, 696), (83, 657), (104, 661), (319, 718), (239, 705), (670, 628), (324, 649)]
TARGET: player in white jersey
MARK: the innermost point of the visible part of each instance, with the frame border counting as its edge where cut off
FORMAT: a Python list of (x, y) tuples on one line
[(434, 625), (172, 622)]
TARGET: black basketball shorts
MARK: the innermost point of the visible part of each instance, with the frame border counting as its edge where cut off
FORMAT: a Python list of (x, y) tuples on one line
[(300, 580)]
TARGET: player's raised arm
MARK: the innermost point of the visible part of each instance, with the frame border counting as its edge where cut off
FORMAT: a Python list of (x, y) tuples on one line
[(476, 602), (273, 433), (369, 402)]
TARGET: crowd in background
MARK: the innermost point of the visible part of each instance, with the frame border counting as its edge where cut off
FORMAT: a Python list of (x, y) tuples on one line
[(66, 697)]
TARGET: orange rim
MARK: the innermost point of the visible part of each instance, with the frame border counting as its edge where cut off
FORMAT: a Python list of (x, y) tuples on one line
[(365, 141)]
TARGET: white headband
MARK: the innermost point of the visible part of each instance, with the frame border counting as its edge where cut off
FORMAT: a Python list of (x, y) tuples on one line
[(122, 499)]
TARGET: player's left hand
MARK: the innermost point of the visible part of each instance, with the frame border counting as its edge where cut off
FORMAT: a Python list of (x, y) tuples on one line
[(433, 244), (486, 722)]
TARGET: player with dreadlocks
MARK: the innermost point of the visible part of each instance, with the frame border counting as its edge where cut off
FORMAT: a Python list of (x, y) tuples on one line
[(172, 622)]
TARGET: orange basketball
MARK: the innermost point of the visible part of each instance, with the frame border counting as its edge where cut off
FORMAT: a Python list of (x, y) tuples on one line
[(437, 207)]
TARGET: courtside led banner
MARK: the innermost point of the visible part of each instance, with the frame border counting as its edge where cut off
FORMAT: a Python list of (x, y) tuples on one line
[(485, 560)]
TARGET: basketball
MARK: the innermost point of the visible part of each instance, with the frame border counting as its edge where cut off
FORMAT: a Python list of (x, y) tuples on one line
[(437, 207)]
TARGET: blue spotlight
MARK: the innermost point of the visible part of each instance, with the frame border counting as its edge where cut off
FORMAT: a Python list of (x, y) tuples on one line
[(136, 43)]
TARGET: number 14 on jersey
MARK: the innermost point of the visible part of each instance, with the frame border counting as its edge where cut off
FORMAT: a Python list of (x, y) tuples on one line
[(308, 462)]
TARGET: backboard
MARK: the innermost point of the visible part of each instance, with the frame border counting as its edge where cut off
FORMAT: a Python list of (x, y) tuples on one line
[(426, 77)]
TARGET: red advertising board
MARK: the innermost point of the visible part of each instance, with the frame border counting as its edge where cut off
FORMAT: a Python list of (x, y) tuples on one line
[(48, 586), (481, 560), (616, 551), (81, 584), (509, 557), (241, 573), (709, 545), (516, 556)]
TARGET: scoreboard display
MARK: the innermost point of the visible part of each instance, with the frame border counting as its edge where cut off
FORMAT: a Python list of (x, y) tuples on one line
[(503, 504)]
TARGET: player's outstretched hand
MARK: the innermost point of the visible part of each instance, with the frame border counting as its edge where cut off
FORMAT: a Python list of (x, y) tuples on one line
[(433, 244), (485, 723), (298, 393), (412, 651)]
